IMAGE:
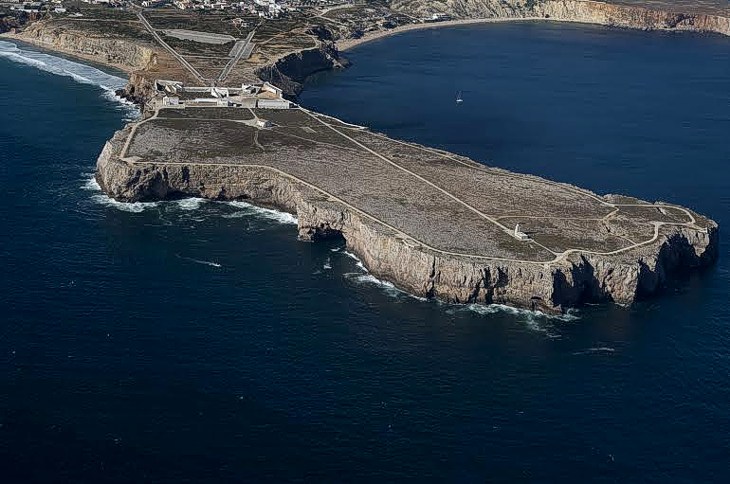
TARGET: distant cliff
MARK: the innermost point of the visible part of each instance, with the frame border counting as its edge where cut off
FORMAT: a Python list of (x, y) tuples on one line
[(632, 17), (638, 15), (290, 71), (15, 21), (127, 54)]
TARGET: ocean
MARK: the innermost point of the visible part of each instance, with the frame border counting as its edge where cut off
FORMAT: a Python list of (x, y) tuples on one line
[(198, 341)]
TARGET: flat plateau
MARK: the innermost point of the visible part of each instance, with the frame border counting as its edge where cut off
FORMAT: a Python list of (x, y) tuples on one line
[(434, 223)]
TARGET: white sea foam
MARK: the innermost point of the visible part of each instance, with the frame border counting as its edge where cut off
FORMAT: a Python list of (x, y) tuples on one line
[(91, 184), (102, 199), (64, 67), (534, 320), (365, 277), (276, 215), (236, 215), (357, 260), (135, 207), (328, 264), (371, 279), (501, 308), (190, 203), (130, 109)]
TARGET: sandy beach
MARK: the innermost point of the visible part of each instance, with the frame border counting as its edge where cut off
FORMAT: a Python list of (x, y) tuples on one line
[(347, 44)]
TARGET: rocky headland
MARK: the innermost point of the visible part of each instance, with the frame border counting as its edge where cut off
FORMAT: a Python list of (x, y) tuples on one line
[(419, 258), (462, 260)]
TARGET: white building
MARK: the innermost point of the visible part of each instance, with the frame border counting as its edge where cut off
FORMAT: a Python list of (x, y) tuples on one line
[(273, 104), (520, 235), (170, 101), (272, 89)]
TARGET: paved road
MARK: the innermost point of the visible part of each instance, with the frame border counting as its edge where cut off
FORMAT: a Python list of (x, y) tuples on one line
[(242, 49), (172, 51), (196, 36)]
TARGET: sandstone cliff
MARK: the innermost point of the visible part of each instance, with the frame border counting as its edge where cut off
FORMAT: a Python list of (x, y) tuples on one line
[(138, 55), (11, 23), (639, 15), (632, 16), (551, 287), (127, 54)]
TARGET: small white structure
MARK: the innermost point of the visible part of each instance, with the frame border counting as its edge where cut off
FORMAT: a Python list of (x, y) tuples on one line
[(208, 102), (272, 89), (219, 92), (199, 36), (520, 235), (263, 123), (242, 101), (273, 104), (170, 87), (170, 101)]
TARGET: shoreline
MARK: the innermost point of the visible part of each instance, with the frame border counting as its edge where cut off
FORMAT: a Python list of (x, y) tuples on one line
[(382, 253), (348, 44), (345, 45), (60, 50)]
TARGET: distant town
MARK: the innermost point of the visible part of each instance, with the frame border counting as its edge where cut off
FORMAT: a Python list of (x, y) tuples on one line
[(268, 9), (263, 8)]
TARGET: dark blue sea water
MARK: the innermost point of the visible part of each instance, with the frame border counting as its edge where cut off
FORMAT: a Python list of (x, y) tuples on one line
[(201, 342)]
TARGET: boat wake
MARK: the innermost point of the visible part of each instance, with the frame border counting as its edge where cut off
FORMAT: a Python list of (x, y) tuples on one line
[(602, 350), (199, 261), (80, 73)]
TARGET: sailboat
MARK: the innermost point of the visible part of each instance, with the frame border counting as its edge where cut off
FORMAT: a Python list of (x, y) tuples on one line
[(458, 98)]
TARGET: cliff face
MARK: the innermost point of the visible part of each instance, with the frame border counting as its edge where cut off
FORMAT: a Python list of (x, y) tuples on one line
[(632, 17), (122, 53), (17, 20), (290, 72), (140, 87), (550, 287), (649, 17)]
